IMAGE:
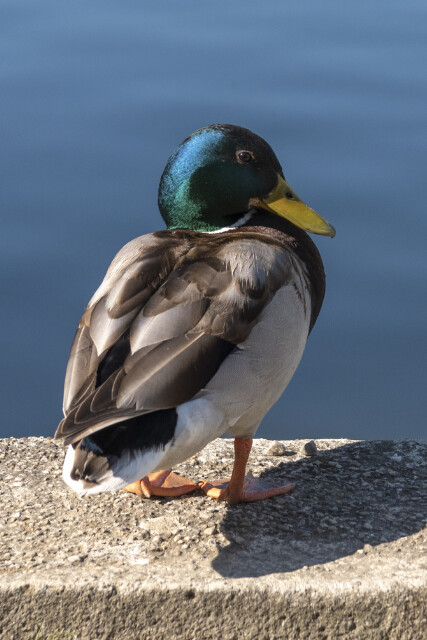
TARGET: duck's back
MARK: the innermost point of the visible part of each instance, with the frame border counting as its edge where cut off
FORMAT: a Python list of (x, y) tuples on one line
[(190, 335)]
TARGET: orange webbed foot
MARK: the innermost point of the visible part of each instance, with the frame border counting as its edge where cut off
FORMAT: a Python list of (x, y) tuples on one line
[(252, 489), (161, 483), (241, 487)]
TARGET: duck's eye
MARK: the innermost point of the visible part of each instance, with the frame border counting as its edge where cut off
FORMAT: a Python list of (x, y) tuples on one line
[(244, 156)]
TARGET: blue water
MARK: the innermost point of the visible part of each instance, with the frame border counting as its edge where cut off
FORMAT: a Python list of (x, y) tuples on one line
[(95, 96)]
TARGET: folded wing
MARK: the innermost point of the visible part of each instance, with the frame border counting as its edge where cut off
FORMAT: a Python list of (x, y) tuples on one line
[(168, 313)]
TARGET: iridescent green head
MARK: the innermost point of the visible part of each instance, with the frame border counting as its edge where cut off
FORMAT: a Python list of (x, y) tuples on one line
[(218, 174)]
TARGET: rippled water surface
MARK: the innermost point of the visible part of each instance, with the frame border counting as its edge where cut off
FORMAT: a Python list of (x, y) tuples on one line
[(96, 95)]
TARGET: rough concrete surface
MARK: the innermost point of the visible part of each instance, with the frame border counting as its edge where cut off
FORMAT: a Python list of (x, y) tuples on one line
[(342, 556)]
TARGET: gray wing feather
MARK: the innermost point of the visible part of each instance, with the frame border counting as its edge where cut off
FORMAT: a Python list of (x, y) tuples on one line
[(184, 308)]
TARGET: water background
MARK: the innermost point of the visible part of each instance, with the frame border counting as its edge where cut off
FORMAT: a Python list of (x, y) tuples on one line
[(94, 96)]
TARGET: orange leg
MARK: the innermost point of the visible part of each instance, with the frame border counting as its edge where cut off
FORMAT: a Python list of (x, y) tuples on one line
[(241, 488), (161, 483)]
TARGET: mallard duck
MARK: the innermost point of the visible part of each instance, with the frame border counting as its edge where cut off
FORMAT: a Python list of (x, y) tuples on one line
[(196, 330)]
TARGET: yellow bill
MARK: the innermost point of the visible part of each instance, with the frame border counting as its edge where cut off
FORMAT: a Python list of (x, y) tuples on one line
[(285, 203)]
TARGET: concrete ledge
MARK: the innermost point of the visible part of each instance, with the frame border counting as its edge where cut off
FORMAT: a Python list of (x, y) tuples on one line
[(343, 556)]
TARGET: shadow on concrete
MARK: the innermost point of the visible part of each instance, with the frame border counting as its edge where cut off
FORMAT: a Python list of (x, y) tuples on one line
[(362, 493)]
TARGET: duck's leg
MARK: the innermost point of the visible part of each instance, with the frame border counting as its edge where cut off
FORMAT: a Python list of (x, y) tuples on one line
[(161, 483), (241, 487)]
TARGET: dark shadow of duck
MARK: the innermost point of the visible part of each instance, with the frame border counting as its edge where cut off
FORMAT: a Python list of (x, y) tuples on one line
[(362, 493)]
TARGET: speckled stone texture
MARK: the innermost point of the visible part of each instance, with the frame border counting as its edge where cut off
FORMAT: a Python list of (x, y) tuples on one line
[(342, 556)]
